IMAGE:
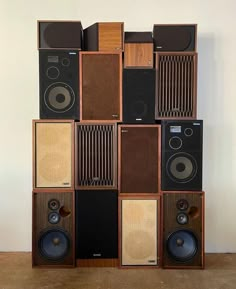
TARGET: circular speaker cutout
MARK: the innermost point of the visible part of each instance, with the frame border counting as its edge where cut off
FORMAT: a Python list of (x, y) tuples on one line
[(52, 72), (175, 142), (181, 167), (53, 218), (54, 244), (139, 109), (182, 245), (182, 219), (65, 61), (53, 204), (182, 204), (59, 97), (188, 131)]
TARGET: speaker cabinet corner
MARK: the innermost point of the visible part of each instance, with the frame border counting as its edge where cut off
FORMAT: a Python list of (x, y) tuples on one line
[(139, 232), (53, 155), (53, 232)]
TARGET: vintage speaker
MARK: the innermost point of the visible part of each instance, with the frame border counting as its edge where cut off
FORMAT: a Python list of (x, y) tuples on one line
[(59, 84), (182, 155), (60, 34), (139, 227), (138, 50), (139, 158), (96, 228), (53, 229), (139, 95), (96, 156), (176, 85), (181, 37), (101, 86), (183, 229), (53, 154), (104, 36)]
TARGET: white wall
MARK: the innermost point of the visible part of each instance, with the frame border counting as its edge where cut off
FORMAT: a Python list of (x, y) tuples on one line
[(216, 100)]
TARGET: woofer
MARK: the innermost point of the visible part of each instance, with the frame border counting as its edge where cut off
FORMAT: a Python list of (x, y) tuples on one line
[(59, 97), (54, 244), (181, 167), (182, 245)]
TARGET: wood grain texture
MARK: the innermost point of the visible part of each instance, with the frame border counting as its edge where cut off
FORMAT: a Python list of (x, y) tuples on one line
[(138, 55), (40, 225), (176, 85), (97, 262), (195, 224), (110, 36), (95, 156)]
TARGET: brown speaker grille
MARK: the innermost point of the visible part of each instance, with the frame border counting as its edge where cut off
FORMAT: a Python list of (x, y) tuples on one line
[(139, 172), (176, 85), (96, 156)]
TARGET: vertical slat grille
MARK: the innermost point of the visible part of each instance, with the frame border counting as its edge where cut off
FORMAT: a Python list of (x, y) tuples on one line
[(95, 155), (176, 93)]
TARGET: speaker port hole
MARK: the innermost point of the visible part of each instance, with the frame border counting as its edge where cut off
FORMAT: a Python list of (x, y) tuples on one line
[(193, 212), (64, 211)]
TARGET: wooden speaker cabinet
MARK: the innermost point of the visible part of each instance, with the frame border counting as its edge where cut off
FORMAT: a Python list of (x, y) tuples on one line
[(139, 158), (53, 234), (53, 154), (139, 231), (60, 34), (138, 50), (183, 229), (176, 85), (104, 36), (96, 156), (101, 86)]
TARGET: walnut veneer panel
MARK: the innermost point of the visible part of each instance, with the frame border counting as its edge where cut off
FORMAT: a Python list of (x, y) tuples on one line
[(138, 55)]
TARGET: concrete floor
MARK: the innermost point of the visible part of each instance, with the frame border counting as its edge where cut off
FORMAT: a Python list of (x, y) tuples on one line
[(16, 273)]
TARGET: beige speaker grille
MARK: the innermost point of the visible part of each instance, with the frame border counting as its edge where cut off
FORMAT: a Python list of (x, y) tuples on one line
[(139, 232), (53, 154)]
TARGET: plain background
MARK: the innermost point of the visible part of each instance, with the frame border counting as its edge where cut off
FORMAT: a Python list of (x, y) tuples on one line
[(20, 101)]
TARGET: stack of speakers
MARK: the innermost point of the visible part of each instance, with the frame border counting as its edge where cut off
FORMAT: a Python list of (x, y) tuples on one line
[(117, 151)]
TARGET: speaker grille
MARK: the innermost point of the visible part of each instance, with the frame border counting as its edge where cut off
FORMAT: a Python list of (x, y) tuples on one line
[(96, 156), (139, 171), (139, 232), (176, 85), (101, 80), (53, 154)]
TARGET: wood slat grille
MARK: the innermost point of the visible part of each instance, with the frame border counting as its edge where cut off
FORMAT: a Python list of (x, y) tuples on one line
[(176, 85), (96, 156)]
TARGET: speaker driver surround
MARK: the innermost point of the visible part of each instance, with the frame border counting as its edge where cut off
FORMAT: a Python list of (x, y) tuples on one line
[(181, 167), (59, 97), (182, 245), (53, 218), (54, 244), (182, 219)]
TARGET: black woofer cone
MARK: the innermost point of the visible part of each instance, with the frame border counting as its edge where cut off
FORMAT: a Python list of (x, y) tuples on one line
[(54, 245), (182, 245)]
